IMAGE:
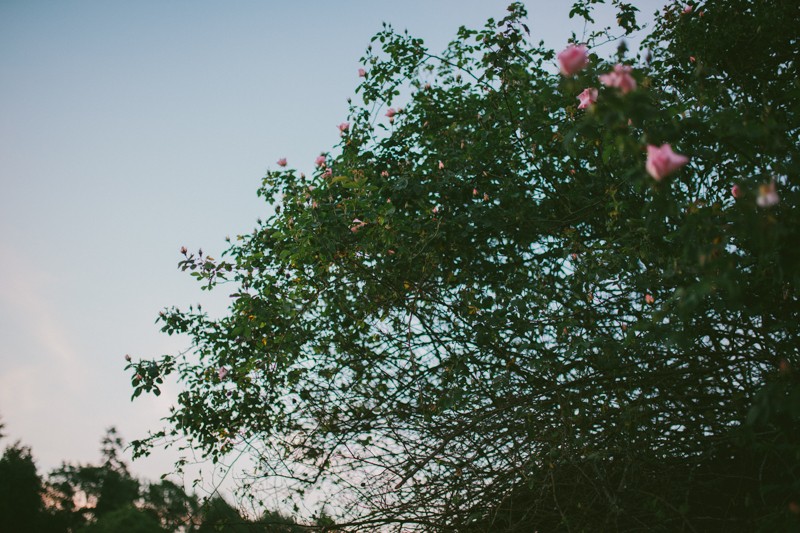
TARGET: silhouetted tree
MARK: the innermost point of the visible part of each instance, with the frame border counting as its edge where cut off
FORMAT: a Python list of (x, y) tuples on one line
[(21, 506)]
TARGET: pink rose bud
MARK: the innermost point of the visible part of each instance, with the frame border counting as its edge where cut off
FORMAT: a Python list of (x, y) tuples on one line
[(344, 126), (574, 256), (328, 173), (128, 358), (486, 197), (362, 73), (474, 192), (573, 59), (649, 300), (587, 97), (688, 9), (767, 196), (619, 78), (183, 250), (435, 209), (384, 173), (222, 372), (390, 252), (662, 161), (320, 160), (391, 112), (427, 86), (692, 59), (441, 165), (736, 192), (282, 162)]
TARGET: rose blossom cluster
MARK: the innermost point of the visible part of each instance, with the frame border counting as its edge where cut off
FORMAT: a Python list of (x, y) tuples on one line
[(661, 160)]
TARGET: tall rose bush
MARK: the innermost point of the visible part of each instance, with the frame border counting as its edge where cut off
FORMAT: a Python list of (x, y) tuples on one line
[(492, 318)]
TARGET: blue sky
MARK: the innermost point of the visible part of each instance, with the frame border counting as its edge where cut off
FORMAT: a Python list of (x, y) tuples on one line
[(129, 129)]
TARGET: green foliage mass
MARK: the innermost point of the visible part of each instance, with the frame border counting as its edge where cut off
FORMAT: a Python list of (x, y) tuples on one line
[(483, 313), (128, 519)]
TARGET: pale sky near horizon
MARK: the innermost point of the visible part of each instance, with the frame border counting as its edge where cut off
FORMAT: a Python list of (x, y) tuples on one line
[(129, 129)]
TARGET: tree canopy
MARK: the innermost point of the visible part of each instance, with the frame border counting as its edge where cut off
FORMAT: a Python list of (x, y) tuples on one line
[(527, 298)]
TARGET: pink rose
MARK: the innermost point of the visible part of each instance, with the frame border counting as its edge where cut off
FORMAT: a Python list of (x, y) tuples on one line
[(688, 9), (662, 161), (328, 173), (391, 112), (344, 126), (384, 173), (320, 160), (620, 78), (648, 299), (736, 192), (282, 162), (128, 358), (441, 165), (474, 192), (573, 59), (357, 225), (222, 372), (767, 195), (587, 97), (362, 73)]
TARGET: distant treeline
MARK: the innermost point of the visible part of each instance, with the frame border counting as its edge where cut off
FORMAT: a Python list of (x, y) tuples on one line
[(106, 498)]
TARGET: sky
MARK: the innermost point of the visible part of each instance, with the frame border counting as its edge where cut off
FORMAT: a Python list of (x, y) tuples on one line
[(130, 129)]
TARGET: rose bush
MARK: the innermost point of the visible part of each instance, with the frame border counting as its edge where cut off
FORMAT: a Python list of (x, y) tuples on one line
[(491, 317)]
